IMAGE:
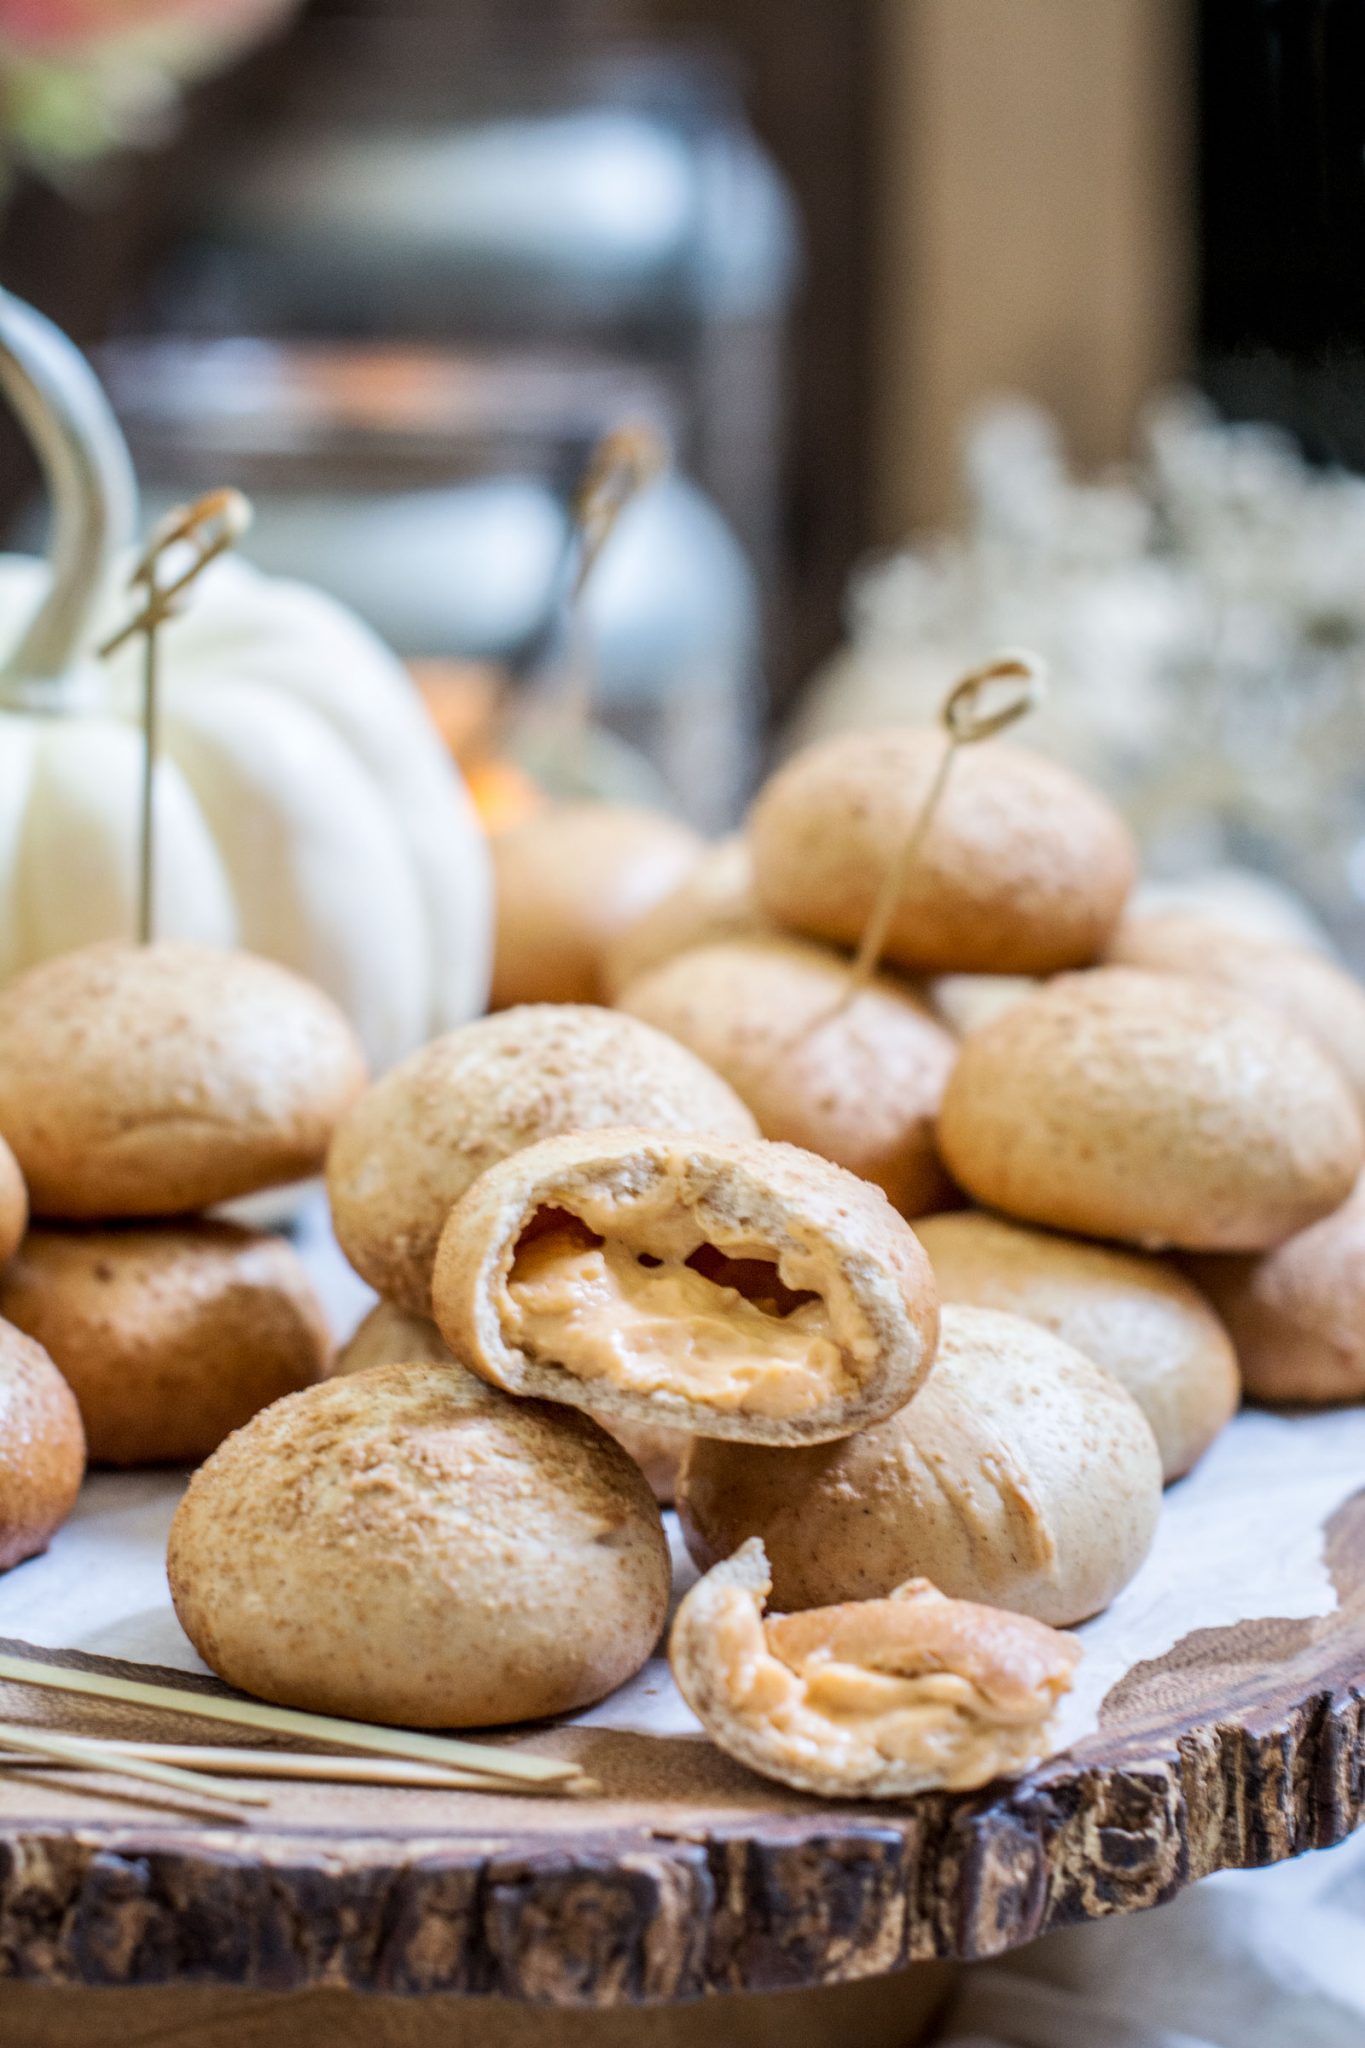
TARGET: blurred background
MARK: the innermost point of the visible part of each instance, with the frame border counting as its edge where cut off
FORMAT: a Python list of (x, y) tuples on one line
[(967, 323)]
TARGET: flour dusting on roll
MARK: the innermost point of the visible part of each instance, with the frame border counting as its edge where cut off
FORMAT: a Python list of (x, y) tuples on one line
[(1133, 1314), (1154, 1109), (170, 1335), (391, 1336), (417, 1140), (408, 1545), (154, 1080), (857, 1078), (1024, 869)]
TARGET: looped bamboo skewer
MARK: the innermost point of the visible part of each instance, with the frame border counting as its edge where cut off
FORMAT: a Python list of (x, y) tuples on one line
[(624, 462), (205, 529), (622, 465), (966, 717)]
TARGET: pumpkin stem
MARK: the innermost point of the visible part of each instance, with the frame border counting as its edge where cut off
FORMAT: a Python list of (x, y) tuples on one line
[(72, 430)]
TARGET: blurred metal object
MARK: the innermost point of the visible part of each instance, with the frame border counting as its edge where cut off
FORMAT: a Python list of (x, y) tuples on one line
[(352, 411), (432, 490), (613, 204)]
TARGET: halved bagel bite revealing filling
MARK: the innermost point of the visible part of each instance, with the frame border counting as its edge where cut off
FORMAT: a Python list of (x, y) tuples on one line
[(873, 1698), (731, 1287)]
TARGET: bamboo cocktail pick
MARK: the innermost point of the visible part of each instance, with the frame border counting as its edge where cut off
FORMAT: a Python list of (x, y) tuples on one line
[(194, 536), (624, 463), (508, 1768), (967, 716)]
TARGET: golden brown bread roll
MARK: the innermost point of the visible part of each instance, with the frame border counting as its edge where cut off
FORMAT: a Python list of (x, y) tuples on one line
[(42, 1448), (1021, 1475), (1151, 1108), (407, 1545), (858, 1082), (13, 1203), (417, 1139), (151, 1080), (1321, 999), (1023, 871), (391, 1336), (874, 1699), (714, 900), (734, 1286), (170, 1335), (1131, 1313), (1297, 1313), (567, 881)]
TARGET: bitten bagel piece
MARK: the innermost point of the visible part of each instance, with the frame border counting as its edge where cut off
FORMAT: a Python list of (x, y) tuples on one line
[(1024, 869), (151, 1080), (567, 881), (1151, 1108), (408, 1545), (1021, 1475), (1297, 1313), (390, 1336), (42, 1448), (169, 1335), (714, 900), (1324, 1002), (858, 1082), (1134, 1314), (873, 1699), (737, 1287), (13, 1203), (416, 1141)]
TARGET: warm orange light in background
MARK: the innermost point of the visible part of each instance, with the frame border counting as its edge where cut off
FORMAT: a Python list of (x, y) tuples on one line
[(52, 25)]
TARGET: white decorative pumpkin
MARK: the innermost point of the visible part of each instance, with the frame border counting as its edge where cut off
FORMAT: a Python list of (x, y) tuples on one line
[(305, 809)]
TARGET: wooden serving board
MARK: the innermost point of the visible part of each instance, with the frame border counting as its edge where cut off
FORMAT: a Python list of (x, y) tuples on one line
[(1242, 1746)]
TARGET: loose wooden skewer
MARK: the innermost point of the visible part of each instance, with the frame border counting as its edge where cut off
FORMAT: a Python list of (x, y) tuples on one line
[(306, 1768), (206, 529), (504, 1765), (80, 1753)]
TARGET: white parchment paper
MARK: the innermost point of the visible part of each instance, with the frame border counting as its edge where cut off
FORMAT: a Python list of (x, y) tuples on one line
[(1241, 1538)]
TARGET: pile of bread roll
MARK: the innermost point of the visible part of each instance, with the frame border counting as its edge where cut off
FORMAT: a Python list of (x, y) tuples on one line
[(140, 1086), (913, 1294), (717, 1243)]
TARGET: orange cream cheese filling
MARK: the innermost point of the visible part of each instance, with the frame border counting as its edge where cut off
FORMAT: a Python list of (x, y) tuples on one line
[(647, 1304), (914, 1692)]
